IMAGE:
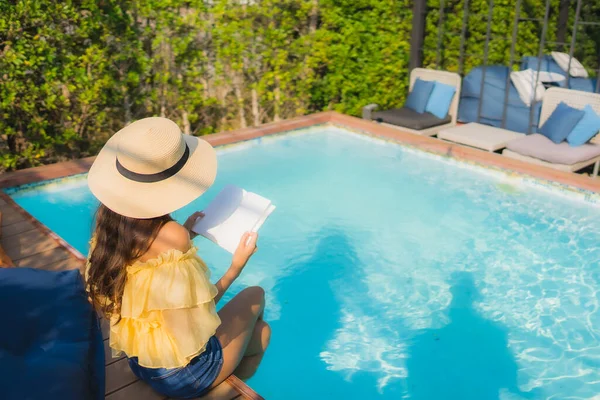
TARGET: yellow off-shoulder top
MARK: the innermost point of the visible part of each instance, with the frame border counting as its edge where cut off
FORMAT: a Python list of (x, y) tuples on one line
[(167, 311)]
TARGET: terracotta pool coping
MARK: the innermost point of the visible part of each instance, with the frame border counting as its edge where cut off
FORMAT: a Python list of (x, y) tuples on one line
[(431, 145), (73, 167), (469, 154)]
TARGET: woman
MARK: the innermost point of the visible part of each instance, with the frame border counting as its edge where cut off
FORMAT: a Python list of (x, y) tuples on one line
[(145, 276)]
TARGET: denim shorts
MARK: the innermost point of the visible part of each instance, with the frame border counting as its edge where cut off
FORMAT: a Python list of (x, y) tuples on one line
[(187, 382)]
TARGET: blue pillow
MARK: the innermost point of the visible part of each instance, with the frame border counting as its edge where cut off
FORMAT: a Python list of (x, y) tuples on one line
[(586, 128), (419, 95), (50, 342), (561, 122), (440, 99)]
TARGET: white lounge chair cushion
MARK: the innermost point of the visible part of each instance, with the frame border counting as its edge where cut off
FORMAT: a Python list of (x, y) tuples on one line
[(525, 83), (480, 136), (542, 148), (577, 69)]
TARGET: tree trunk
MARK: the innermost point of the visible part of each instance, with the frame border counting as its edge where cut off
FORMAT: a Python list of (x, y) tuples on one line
[(208, 54), (222, 97), (314, 17), (187, 129), (255, 107), (237, 86), (127, 107), (11, 141), (277, 105), (165, 52)]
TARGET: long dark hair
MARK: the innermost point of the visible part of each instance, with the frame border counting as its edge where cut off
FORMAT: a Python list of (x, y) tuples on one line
[(119, 241)]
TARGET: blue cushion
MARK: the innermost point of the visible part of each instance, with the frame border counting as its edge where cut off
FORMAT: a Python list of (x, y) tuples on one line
[(440, 99), (419, 95), (561, 122), (50, 342), (586, 128)]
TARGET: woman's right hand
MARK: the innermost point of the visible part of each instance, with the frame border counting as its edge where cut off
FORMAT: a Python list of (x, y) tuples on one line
[(244, 251)]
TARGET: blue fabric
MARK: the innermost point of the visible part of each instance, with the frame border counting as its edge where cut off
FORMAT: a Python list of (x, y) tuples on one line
[(548, 64), (561, 122), (419, 95), (187, 382), (440, 99), (586, 128), (492, 101), (50, 341)]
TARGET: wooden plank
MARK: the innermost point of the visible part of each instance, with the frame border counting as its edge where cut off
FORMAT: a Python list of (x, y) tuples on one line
[(50, 259), (27, 244), (108, 358), (5, 260), (135, 391), (10, 215), (41, 227), (118, 375), (66, 264), (142, 391), (224, 391), (120, 378), (240, 386), (17, 228)]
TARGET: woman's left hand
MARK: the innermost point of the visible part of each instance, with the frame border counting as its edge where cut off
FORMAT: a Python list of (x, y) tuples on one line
[(191, 221)]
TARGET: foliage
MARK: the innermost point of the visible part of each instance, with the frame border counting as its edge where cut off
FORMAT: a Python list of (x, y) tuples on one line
[(529, 33), (73, 72)]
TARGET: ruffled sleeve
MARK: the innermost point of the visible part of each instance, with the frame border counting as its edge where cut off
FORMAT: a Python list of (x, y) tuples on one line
[(167, 311)]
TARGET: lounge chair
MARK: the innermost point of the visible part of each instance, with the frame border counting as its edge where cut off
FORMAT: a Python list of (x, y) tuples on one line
[(480, 136), (408, 120), (538, 149)]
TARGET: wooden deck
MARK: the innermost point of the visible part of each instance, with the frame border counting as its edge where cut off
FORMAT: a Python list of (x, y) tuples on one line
[(24, 242)]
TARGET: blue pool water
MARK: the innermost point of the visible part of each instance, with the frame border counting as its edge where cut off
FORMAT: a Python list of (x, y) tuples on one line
[(391, 274)]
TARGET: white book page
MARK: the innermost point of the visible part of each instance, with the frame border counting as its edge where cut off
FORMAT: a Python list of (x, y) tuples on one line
[(233, 212), (263, 218)]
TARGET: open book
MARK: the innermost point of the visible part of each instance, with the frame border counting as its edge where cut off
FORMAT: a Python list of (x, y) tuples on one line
[(233, 212)]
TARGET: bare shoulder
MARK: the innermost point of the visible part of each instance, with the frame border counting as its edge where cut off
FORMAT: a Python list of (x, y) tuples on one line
[(172, 236)]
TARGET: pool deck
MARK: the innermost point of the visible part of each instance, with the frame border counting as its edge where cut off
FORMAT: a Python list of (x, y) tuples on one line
[(27, 242)]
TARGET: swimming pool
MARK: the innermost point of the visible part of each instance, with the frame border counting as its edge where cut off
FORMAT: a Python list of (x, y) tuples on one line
[(394, 274)]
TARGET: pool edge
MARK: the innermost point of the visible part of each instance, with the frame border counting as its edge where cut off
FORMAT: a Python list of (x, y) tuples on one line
[(530, 172), (43, 229), (74, 167)]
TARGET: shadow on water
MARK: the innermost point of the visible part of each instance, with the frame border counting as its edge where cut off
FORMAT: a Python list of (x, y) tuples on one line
[(468, 359), (309, 318)]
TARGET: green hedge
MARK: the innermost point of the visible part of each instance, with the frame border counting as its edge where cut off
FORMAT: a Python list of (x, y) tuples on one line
[(74, 72)]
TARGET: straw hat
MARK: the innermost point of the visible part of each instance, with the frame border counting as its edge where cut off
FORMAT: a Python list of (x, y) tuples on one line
[(149, 169)]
